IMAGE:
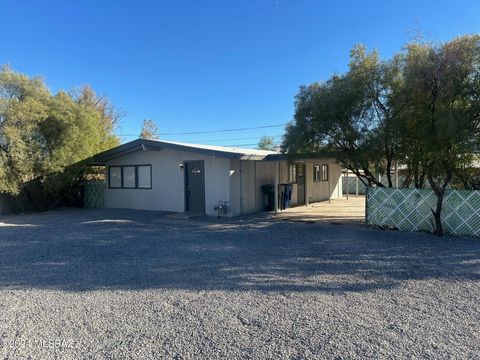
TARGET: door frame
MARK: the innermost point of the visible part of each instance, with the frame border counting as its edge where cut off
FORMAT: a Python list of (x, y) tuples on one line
[(186, 164)]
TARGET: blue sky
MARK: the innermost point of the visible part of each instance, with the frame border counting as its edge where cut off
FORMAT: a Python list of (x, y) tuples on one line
[(208, 65)]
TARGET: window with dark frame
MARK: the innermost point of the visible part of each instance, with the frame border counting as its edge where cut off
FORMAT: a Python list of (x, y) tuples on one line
[(316, 173), (324, 173), (130, 177)]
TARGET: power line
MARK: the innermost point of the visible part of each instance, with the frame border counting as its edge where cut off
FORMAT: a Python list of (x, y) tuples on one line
[(245, 138), (240, 145), (213, 131)]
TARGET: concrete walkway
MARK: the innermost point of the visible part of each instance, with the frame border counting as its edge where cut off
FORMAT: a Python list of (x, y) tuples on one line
[(338, 210)]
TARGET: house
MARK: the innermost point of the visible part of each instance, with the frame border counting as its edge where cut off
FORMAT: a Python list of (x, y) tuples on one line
[(181, 177)]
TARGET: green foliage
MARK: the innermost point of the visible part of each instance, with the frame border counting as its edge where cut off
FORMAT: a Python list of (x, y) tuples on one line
[(43, 135), (444, 83), (420, 108), (149, 130), (267, 143)]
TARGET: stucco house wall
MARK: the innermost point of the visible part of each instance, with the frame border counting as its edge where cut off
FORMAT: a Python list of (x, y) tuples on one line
[(231, 175), (248, 177), (168, 191)]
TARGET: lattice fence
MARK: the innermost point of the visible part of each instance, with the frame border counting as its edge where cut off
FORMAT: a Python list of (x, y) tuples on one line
[(410, 210), (352, 186), (94, 196)]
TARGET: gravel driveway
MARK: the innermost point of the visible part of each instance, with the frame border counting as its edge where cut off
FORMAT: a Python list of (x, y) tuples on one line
[(134, 284)]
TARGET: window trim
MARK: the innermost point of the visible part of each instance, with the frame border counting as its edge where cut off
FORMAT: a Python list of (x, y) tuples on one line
[(136, 177)]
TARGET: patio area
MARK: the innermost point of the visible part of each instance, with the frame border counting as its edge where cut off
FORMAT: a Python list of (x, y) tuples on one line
[(351, 210)]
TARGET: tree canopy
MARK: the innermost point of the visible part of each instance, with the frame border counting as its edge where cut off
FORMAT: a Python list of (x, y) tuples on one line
[(149, 130), (420, 108), (43, 133), (267, 143)]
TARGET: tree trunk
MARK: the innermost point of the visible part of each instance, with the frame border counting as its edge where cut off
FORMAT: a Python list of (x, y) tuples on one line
[(440, 192), (389, 175), (437, 215)]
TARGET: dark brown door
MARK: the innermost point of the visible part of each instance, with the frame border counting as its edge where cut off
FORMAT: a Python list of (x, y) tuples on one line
[(300, 184), (194, 186)]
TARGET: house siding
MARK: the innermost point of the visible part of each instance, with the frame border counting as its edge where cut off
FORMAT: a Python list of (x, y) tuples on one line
[(167, 192)]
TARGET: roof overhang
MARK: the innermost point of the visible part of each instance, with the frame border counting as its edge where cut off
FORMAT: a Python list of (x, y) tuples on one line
[(102, 158)]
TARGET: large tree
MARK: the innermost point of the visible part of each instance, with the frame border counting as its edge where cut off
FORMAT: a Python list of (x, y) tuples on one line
[(444, 110), (420, 108), (42, 134)]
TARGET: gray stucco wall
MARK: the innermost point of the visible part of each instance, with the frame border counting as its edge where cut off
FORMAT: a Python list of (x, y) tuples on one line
[(249, 176), (167, 193), (318, 190), (323, 190), (238, 182)]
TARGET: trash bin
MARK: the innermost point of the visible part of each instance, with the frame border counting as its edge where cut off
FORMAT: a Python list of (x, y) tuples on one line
[(268, 197), (284, 195), (288, 195)]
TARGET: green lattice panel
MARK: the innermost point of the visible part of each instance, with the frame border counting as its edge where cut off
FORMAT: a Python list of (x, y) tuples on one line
[(411, 210), (94, 194)]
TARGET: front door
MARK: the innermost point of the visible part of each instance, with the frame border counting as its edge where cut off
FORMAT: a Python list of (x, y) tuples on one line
[(300, 184), (194, 186)]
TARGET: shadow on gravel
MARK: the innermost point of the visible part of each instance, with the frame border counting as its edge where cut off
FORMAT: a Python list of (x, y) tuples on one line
[(81, 250)]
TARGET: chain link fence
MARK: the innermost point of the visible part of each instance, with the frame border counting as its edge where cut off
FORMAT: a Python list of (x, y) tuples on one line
[(411, 210), (94, 195)]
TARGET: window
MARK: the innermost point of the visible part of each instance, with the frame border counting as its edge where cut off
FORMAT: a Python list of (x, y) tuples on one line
[(316, 173), (144, 176), (292, 173), (115, 176), (324, 173), (130, 177)]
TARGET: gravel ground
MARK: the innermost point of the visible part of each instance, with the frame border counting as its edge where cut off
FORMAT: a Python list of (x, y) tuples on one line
[(133, 284)]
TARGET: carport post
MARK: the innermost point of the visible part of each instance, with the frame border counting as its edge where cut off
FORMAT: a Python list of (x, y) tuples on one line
[(276, 187), (348, 185), (329, 189), (396, 174)]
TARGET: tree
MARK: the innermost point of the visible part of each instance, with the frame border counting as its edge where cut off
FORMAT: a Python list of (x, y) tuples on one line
[(149, 130), (420, 108), (335, 117), (444, 81), (43, 134), (267, 143)]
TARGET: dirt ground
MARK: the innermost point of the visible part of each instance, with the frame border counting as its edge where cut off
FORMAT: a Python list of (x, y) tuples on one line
[(135, 284)]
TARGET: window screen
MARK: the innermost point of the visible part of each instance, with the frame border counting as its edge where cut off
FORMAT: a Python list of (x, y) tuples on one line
[(115, 176), (144, 176), (129, 176)]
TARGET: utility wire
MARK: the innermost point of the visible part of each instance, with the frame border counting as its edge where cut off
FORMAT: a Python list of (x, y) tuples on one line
[(213, 131), (245, 138)]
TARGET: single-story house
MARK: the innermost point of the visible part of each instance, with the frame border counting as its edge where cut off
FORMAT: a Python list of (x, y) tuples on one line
[(181, 177)]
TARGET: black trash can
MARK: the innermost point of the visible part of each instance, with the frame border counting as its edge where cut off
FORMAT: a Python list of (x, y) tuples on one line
[(269, 197)]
